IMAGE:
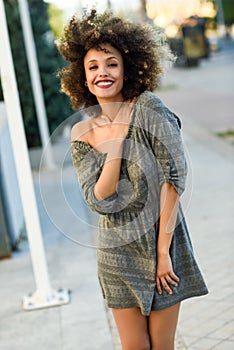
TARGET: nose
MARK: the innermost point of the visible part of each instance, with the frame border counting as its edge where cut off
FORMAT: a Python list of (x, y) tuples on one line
[(103, 72)]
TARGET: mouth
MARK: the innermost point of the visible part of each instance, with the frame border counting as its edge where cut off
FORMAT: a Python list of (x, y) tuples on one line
[(104, 83)]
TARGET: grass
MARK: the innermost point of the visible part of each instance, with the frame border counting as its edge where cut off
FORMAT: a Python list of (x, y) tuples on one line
[(167, 87), (228, 135)]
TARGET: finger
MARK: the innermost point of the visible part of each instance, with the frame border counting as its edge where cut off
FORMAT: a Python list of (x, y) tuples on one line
[(158, 284), (171, 281), (166, 286), (174, 277)]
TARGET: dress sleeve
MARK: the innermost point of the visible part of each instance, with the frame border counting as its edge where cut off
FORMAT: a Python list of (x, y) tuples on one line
[(167, 145), (88, 165)]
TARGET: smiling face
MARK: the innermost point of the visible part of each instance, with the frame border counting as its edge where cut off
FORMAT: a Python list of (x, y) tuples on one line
[(104, 72)]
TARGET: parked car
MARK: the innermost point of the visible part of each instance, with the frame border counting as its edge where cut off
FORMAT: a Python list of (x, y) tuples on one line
[(192, 44), (195, 43)]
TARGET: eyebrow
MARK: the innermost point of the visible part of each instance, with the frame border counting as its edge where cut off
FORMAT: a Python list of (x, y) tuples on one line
[(108, 58)]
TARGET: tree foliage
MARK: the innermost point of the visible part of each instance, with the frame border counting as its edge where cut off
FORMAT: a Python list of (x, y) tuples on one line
[(57, 104), (21, 71), (56, 20), (228, 9)]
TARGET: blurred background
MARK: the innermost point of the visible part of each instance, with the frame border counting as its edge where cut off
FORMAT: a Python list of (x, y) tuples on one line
[(200, 85), (196, 29), (200, 89)]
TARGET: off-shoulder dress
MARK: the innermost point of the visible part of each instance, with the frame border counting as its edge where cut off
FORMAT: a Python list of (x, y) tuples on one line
[(153, 153)]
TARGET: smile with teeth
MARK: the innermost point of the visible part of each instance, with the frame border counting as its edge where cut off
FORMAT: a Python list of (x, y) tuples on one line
[(105, 83)]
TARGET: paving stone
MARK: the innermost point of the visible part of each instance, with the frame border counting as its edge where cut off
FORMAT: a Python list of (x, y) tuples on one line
[(204, 101)]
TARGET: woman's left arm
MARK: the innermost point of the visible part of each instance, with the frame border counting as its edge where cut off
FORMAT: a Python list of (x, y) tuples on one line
[(169, 202), (163, 130)]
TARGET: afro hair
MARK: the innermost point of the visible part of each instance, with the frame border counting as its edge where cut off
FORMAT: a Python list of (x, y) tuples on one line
[(143, 48)]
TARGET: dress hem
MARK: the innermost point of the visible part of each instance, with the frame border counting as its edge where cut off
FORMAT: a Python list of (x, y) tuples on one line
[(166, 305)]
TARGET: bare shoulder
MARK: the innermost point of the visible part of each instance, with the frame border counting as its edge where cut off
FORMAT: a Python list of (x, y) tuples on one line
[(80, 130)]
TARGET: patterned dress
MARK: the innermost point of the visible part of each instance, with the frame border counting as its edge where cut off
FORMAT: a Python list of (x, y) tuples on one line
[(129, 218)]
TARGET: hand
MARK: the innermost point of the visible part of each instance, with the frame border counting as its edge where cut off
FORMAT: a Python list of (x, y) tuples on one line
[(165, 274), (122, 120), (108, 135)]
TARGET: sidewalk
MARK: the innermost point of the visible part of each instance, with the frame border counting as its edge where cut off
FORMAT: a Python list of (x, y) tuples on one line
[(83, 323), (205, 323), (208, 322), (204, 100)]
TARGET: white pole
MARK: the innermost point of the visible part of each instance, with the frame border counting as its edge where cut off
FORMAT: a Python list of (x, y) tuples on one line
[(44, 295), (36, 82), (144, 11), (220, 19), (109, 4)]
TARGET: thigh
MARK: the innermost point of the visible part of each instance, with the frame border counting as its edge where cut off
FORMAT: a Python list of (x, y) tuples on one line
[(162, 327), (133, 329)]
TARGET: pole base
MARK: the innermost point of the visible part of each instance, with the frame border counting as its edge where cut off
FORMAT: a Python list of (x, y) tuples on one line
[(55, 298)]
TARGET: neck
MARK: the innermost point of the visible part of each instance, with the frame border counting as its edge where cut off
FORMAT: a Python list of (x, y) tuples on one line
[(111, 109)]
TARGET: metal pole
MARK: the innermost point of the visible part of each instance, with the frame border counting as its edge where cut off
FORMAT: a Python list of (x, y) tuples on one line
[(109, 4), (44, 296), (36, 83), (144, 11), (220, 18)]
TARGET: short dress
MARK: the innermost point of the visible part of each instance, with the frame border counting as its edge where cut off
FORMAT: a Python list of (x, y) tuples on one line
[(129, 219)]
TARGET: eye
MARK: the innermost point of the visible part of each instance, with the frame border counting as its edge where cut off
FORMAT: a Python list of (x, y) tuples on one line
[(93, 67), (113, 65)]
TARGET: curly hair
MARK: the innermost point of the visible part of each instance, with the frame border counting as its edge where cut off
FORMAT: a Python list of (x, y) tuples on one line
[(143, 48)]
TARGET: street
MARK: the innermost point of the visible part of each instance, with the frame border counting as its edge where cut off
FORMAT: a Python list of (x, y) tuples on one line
[(205, 93), (203, 97)]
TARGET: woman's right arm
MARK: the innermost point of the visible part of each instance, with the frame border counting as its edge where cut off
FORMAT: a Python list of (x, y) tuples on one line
[(108, 180), (109, 177), (98, 183)]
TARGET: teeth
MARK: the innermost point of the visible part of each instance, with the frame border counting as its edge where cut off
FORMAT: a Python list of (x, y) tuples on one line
[(104, 83)]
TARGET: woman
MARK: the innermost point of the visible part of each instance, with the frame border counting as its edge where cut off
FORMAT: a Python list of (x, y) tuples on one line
[(130, 164)]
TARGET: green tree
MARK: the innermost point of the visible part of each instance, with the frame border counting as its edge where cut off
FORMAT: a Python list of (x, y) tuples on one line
[(22, 73), (56, 20), (57, 104), (228, 10)]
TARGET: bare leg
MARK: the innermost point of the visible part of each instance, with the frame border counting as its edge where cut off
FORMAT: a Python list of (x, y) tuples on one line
[(133, 329), (162, 327)]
